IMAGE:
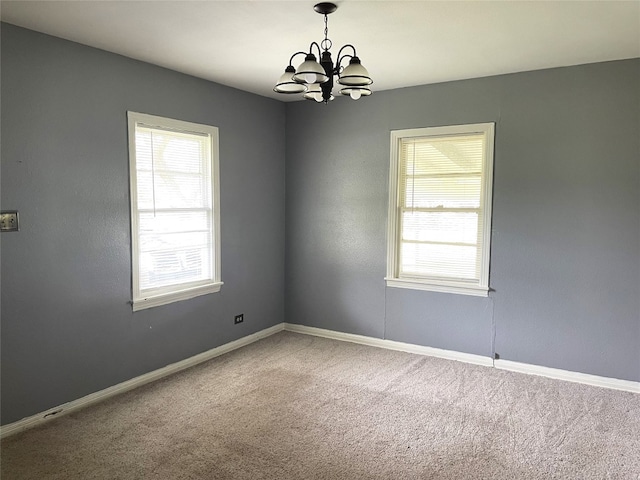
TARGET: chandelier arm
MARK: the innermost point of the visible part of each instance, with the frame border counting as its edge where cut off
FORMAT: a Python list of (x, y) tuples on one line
[(342, 57), (293, 56), (339, 61), (317, 46)]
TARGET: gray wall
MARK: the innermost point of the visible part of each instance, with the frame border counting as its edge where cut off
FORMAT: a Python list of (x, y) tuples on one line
[(565, 261), (67, 327)]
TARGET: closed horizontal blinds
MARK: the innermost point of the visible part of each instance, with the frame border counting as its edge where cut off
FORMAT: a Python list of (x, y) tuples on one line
[(441, 209), (174, 197)]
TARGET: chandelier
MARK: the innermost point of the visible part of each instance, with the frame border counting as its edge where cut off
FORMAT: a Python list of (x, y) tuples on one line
[(315, 80)]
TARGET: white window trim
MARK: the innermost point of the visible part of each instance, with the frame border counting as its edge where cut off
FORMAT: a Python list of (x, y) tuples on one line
[(173, 294), (440, 285)]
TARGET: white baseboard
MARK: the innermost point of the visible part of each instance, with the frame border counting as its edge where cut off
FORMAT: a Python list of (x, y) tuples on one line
[(391, 345), (96, 397), (555, 373), (566, 375), (136, 382)]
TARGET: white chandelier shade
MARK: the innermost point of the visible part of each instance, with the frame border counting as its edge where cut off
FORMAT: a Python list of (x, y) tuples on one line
[(310, 71), (355, 75), (286, 84), (356, 92), (314, 92)]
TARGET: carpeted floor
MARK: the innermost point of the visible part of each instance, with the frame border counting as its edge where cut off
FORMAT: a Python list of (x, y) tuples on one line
[(299, 407)]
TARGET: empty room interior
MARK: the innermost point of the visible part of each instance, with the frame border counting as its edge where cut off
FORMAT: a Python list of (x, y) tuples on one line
[(290, 240)]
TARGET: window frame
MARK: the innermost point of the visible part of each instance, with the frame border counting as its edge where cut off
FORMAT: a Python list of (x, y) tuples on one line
[(435, 284), (172, 293)]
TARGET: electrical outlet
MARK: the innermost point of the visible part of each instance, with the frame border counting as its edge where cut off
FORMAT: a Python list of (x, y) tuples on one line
[(238, 319), (9, 222)]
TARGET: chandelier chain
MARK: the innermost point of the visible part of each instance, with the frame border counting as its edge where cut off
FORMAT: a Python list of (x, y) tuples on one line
[(326, 26), (326, 43)]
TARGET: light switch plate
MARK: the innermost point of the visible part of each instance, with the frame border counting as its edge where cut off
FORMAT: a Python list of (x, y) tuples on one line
[(9, 221)]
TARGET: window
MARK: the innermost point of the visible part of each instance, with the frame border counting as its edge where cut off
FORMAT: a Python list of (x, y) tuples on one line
[(439, 228), (175, 215)]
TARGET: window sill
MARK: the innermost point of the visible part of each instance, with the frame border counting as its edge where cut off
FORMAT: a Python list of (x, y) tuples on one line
[(164, 299), (442, 287)]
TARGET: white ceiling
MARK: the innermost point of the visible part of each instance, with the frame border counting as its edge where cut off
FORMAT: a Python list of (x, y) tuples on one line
[(247, 44)]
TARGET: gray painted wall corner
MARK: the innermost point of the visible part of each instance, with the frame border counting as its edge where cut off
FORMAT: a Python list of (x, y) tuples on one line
[(565, 263), (67, 327)]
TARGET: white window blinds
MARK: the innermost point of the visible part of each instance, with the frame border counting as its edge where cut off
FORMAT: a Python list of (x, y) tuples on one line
[(440, 220), (174, 214)]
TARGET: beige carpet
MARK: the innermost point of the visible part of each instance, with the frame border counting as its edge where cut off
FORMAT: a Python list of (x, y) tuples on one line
[(299, 407)]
